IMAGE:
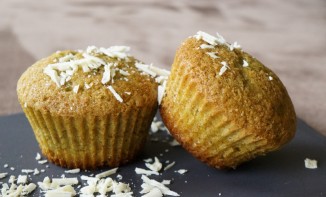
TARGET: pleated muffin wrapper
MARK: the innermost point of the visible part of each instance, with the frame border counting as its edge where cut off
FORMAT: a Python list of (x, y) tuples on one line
[(204, 131), (89, 142)]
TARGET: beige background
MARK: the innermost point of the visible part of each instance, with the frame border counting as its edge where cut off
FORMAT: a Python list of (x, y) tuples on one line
[(288, 36)]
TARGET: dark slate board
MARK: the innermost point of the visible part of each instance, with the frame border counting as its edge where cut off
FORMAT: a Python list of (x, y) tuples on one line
[(280, 173)]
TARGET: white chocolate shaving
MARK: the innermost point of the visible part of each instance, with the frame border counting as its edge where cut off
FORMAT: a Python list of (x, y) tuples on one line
[(65, 181), (310, 163), (38, 156), (182, 171), (223, 68), (245, 63), (115, 94), (73, 171), (235, 45), (145, 68), (107, 73), (106, 173), (156, 166), (212, 55), (212, 40), (75, 89), (169, 166), (146, 172), (206, 46), (150, 184), (3, 175)]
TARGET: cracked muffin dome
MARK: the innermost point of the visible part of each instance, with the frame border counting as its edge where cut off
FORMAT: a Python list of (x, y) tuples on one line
[(90, 108), (223, 105)]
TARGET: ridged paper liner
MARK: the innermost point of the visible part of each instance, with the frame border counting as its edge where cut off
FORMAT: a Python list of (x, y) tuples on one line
[(88, 142), (202, 129)]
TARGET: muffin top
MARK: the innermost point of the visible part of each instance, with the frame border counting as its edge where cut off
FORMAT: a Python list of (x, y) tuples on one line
[(235, 84), (95, 81)]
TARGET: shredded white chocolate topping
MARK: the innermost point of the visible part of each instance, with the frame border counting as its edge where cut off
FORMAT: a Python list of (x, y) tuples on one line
[(62, 70)]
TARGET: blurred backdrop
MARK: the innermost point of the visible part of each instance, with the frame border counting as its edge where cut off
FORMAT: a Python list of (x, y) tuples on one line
[(287, 36)]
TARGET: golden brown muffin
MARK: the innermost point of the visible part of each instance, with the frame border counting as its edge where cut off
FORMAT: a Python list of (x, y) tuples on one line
[(223, 105), (89, 108)]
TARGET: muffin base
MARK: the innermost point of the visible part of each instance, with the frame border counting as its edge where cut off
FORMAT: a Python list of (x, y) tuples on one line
[(89, 142)]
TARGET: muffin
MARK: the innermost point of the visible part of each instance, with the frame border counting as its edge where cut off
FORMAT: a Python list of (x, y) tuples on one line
[(90, 108), (223, 105)]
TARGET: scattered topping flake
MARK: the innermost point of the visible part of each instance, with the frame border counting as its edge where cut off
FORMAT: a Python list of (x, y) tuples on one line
[(157, 125), (106, 173), (169, 166), (28, 189), (212, 55), (73, 171), (22, 179), (64, 181), (75, 89), (206, 46), (12, 179), (156, 166), (42, 161), (145, 68), (148, 160), (223, 68), (66, 58), (88, 190), (174, 142), (245, 63), (270, 78), (87, 86), (6, 166), (36, 171), (119, 176), (107, 73), (150, 184), (154, 192), (12, 168), (120, 52), (55, 193), (38, 156), (146, 172), (90, 180), (235, 45), (3, 175), (212, 40), (64, 191), (161, 92), (27, 171), (182, 171), (125, 73), (310, 163), (220, 38), (115, 94)]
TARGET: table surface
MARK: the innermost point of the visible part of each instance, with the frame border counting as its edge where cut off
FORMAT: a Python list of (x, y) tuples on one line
[(287, 36), (280, 173)]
